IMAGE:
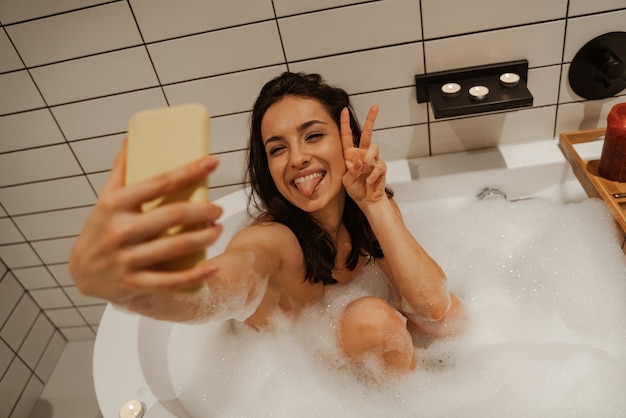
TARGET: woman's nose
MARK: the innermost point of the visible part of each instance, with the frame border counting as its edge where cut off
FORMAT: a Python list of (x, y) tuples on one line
[(299, 157)]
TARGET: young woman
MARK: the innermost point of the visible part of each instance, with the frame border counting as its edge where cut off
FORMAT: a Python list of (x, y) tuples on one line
[(323, 215)]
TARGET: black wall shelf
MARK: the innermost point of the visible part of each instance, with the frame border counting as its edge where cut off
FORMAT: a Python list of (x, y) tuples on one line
[(500, 97)]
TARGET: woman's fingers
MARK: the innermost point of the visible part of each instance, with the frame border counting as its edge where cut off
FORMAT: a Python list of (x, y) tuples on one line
[(377, 174), (152, 253), (346, 132), (153, 223), (371, 156), (365, 142), (368, 127), (133, 196)]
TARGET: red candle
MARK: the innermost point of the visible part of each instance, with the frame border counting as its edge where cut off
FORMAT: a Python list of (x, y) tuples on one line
[(613, 159)]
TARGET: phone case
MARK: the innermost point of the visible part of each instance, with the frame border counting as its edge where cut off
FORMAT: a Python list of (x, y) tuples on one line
[(164, 139)]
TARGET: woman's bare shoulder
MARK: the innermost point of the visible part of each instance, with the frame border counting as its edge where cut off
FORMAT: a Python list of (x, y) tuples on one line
[(267, 235)]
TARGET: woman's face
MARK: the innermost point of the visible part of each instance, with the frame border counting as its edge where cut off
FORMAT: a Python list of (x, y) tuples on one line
[(304, 152)]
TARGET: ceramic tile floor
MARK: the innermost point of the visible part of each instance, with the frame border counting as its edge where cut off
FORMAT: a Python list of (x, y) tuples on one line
[(69, 392)]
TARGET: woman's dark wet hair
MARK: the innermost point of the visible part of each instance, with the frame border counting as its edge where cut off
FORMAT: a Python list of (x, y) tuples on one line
[(265, 199)]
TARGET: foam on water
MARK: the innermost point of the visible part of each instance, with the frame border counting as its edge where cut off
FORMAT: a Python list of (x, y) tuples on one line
[(544, 289)]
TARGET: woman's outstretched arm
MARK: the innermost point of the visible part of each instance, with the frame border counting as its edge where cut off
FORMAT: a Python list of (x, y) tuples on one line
[(114, 257), (418, 279)]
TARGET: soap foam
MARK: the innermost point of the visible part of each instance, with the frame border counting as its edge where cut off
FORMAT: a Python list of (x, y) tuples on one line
[(544, 291)]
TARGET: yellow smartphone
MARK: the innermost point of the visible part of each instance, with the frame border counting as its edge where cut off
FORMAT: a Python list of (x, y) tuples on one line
[(164, 139)]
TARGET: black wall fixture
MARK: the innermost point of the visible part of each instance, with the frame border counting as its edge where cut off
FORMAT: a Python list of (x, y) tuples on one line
[(598, 69), (471, 90)]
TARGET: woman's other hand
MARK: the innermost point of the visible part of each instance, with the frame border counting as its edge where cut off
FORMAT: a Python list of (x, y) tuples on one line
[(365, 178), (114, 257)]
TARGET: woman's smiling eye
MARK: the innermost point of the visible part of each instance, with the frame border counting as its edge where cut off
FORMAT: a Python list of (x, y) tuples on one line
[(275, 149), (314, 135)]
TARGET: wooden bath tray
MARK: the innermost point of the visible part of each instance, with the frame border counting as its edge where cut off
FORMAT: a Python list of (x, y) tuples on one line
[(587, 173)]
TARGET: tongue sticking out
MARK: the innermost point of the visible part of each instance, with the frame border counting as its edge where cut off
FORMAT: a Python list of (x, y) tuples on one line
[(307, 186)]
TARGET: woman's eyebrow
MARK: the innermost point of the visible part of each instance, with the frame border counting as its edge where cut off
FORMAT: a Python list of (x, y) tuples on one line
[(310, 123)]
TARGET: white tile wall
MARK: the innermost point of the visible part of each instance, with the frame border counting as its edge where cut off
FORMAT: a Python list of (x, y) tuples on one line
[(26, 348), (104, 116), (581, 30), (289, 7), (9, 232), (12, 385), (50, 356), (19, 93), (234, 127), (164, 19), (543, 82), (207, 54), (65, 317), (585, 115), (28, 397), (451, 17), (61, 273), (97, 180), (6, 357), (35, 277), (92, 314), (541, 44), (17, 326), (98, 154), (78, 333), (75, 34), (12, 11), (72, 72), (94, 76), (29, 129), (18, 255), (52, 224), (48, 195), (51, 298), (367, 71), (579, 7), (303, 38), (398, 107), (10, 59), (38, 164), (225, 94), (35, 342), (54, 250), (398, 143), (491, 130), (79, 299), (10, 294)]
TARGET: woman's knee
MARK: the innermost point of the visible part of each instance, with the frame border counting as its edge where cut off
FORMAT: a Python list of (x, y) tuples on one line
[(370, 326)]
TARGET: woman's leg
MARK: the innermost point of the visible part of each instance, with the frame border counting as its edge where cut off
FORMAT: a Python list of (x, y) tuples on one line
[(370, 327)]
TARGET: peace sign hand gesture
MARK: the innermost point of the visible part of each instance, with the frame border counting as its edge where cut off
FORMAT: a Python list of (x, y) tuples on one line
[(366, 174)]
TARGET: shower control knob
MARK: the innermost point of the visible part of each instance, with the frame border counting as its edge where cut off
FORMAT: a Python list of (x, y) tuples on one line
[(598, 69), (612, 67)]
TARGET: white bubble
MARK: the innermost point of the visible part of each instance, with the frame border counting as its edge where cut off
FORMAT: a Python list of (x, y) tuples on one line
[(544, 288)]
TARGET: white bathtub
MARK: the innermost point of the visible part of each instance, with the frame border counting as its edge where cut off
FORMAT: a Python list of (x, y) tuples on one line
[(130, 356)]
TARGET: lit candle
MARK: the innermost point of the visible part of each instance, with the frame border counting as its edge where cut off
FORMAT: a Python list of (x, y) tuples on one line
[(509, 79), (478, 93), (451, 89)]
